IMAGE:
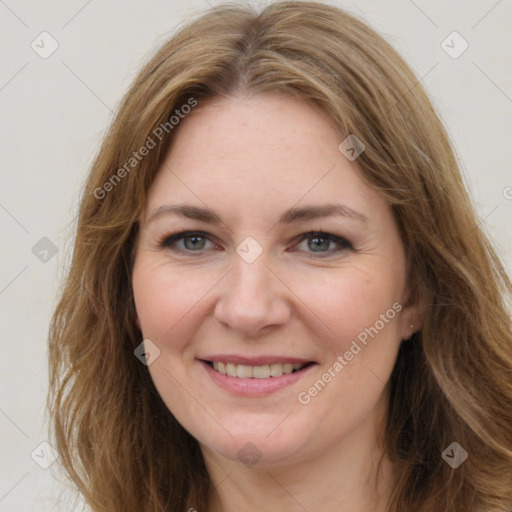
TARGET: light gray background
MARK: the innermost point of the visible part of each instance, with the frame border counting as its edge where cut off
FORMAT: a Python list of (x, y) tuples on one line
[(55, 110)]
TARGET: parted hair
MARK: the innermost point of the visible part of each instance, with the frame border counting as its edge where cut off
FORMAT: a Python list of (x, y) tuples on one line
[(452, 382)]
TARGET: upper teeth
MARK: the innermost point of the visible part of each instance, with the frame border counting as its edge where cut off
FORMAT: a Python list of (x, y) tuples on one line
[(256, 372)]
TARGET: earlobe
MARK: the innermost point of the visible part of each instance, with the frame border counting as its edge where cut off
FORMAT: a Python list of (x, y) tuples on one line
[(414, 314), (410, 323), (137, 322), (409, 327)]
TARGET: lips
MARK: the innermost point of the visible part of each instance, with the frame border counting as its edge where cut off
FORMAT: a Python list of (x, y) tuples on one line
[(255, 377), (254, 360)]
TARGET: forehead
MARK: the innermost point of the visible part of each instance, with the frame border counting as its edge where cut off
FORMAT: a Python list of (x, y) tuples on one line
[(269, 128), (262, 153)]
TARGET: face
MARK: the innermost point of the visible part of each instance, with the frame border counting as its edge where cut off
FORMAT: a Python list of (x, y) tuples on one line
[(271, 279)]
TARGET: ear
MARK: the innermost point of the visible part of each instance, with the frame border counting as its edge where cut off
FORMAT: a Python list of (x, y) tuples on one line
[(137, 321), (413, 312)]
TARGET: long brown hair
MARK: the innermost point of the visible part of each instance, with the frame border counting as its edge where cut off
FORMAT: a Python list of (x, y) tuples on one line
[(452, 382)]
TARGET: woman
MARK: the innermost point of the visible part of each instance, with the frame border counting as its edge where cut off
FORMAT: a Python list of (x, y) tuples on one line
[(280, 296)]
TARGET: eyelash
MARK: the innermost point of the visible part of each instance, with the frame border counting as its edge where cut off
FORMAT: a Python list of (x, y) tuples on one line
[(168, 241)]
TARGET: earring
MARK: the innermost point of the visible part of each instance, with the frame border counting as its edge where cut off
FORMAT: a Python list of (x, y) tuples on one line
[(411, 328)]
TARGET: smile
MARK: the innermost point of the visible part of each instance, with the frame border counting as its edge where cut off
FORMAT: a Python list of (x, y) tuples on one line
[(255, 372), (255, 380)]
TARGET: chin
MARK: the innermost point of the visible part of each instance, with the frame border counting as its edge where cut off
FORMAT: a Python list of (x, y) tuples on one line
[(258, 442), (249, 451)]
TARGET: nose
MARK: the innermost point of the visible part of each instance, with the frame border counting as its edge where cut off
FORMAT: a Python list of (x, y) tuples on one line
[(252, 299)]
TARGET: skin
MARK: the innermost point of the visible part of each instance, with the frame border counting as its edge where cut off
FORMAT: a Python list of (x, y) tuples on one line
[(250, 159)]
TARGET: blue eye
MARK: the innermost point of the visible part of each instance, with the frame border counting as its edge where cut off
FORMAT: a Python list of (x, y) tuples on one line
[(319, 244), (193, 241), (322, 243)]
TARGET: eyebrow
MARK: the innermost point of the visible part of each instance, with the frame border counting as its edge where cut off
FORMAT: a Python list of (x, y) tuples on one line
[(288, 217)]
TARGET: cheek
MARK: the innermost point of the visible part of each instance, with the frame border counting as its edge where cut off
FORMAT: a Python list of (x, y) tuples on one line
[(164, 302), (162, 298), (349, 300)]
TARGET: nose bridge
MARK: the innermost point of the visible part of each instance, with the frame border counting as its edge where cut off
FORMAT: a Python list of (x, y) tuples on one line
[(251, 297), (251, 281)]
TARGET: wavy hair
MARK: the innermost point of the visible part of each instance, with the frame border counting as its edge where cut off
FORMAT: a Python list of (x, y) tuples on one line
[(117, 441)]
